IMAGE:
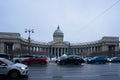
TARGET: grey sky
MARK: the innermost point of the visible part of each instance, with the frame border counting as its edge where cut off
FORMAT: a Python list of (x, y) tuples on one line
[(80, 20)]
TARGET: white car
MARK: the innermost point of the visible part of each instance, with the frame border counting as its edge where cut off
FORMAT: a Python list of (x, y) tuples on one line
[(7, 67)]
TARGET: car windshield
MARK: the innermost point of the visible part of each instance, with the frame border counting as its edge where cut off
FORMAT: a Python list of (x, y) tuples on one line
[(100, 57), (8, 62)]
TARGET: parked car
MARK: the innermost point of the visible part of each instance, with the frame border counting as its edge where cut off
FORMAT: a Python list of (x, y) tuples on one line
[(87, 58), (70, 59), (115, 60), (7, 56), (43, 60), (98, 59), (53, 59), (21, 58), (7, 67)]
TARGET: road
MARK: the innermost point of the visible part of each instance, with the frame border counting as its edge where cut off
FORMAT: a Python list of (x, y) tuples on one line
[(53, 71)]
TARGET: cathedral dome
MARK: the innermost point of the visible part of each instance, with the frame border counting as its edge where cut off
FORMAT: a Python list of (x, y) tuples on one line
[(58, 35), (58, 32)]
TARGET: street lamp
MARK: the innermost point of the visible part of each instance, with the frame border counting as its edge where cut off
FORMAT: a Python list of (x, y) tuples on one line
[(29, 39)]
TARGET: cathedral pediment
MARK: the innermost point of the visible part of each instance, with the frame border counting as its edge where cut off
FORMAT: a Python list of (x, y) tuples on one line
[(60, 44)]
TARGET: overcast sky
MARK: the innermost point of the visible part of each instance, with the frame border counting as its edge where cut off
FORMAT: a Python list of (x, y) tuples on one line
[(80, 20)]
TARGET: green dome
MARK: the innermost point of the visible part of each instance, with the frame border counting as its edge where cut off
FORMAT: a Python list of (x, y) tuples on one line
[(58, 32)]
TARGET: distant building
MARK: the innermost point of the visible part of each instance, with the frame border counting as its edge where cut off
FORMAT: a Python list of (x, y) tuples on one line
[(13, 43)]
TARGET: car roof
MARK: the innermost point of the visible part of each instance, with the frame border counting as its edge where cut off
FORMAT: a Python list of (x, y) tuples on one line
[(2, 58)]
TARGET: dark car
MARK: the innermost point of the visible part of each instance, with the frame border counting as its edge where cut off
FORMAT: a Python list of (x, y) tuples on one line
[(71, 59), (43, 60), (115, 60), (98, 59), (7, 56)]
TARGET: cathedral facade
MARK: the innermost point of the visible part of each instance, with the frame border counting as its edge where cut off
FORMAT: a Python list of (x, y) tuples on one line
[(14, 44)]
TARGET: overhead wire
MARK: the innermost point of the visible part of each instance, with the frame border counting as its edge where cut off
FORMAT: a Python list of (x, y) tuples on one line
[(101, 14)]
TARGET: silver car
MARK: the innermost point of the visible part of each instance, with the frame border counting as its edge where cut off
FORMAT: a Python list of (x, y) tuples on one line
[(7, 67)]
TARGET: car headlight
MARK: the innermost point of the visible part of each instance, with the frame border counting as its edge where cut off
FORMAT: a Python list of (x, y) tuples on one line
[(23, 68)]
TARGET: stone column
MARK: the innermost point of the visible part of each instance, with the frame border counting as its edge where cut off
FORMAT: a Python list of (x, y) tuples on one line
[(48, 51), (55, 52), (35, 49), (117, 48), (16, 46), (88, 51), (51, 51), (2, 49), (38, 49), (58, 52), (95, 49)]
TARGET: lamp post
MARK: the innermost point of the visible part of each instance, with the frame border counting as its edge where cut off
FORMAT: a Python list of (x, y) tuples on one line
[(29, 39)]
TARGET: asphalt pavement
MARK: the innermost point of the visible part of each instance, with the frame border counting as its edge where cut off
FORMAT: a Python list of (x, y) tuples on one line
[(53, 71)]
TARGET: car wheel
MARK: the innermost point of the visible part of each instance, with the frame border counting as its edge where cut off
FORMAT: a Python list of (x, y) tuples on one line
[(14, 74)]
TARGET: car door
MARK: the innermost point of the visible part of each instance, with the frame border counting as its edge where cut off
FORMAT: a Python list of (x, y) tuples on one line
[(35, 59), (3, 68), (70, 59)]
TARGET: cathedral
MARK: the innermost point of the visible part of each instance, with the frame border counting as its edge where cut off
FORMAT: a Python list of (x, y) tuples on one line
[(14, 44)]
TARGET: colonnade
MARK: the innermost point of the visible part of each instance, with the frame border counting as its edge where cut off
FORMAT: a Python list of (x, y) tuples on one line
[(17, 46), (57, 51)]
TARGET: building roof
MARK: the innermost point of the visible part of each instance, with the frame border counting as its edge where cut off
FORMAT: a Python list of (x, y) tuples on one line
[(9, 35)]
